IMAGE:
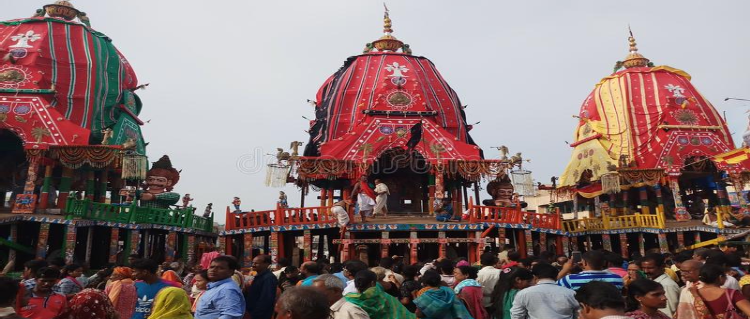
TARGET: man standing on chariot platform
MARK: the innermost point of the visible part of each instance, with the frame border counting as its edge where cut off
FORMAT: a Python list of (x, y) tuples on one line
[(365, 197), (381, 189)]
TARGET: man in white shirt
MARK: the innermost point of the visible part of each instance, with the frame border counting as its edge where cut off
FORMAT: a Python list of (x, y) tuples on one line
[(281, 265), (653, 266), (332, 287), (487, 277), (545, 300), (350, 270), (381, 201)]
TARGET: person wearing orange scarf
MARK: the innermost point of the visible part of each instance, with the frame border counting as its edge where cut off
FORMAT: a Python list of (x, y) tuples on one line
[(171, 277), (122, 292)]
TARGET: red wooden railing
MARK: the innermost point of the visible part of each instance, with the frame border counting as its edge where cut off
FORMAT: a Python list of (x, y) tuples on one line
[(322, 215), (279, 217), (512, 215)]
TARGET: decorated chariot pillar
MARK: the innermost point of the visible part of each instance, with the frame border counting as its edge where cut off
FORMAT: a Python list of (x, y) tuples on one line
[(41, 244), (90, 184), (13, 237), (65, 182), (44, 200), (413, 247), (521, 242), (625, 201), (659, 205), (641, 244), (190, 249), (26, 203), (385, 242), (344, 250), (476, 248), (560, 248), (624, 245), (103, 181), (431, 194), (247, 250), (307, 244), (680, 212), (114, 245), (323, 195), (171, 246), (724, 207), (643, 198), (739, 186), (442, 243), (606, 242), (663, 244)]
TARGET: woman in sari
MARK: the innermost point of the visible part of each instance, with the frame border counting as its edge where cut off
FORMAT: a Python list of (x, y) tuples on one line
[(171, 277), (171, 303), (89, 304), (200, 286), (711, 301), (374, 300), (69, 284), (645, 298), (121, 291), (511, 281), (437, 301), (470, 291)]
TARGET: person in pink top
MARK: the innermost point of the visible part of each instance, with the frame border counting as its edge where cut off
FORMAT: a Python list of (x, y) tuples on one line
[(207, 257), (614, 264)]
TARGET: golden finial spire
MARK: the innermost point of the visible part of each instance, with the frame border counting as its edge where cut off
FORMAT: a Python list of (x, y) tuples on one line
[(387, 42), (386, 22), (634, 59)]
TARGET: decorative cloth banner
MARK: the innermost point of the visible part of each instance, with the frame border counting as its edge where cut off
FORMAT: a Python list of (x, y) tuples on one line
[(76, 156), (641, 177), (476, 170), (312, 168), (134, 167), (276, 175), (523, 182), (610, 183)]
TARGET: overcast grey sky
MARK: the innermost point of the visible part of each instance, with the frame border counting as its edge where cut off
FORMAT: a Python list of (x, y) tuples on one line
[(229, 79)]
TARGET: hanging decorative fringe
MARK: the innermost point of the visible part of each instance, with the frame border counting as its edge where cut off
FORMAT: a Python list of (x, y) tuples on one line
[(134, 167), (523, 183), (97, 156), (276, 175), (610, 183)]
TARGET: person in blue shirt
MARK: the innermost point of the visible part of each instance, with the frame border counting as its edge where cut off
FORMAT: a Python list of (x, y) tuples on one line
[(310, 270), (223, 298), (147, 286), (261, 295), (593, 270)]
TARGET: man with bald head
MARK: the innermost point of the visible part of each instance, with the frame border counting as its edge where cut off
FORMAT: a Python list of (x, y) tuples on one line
[(310, 270)]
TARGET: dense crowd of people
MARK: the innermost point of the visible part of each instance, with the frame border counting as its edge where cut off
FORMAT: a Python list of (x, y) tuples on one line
[(692, 284)]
